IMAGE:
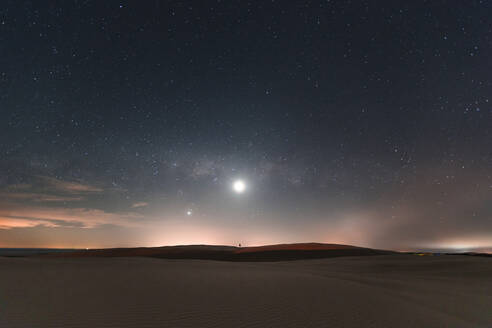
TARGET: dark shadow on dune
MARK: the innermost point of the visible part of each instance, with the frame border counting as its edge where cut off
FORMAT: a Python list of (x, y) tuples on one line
[(284, 252)]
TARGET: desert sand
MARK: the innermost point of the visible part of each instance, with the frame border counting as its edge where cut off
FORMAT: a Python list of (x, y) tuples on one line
[(357, 291), (279, 252)]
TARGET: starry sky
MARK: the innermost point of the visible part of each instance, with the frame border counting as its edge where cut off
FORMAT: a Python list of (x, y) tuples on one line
[(127, 123)]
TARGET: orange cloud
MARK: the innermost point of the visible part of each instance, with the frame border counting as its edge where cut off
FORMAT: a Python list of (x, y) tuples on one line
[(22, 206), (9, 223), (55, 217)]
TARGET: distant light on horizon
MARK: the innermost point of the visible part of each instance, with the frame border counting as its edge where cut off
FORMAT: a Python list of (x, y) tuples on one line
[(480, 244)]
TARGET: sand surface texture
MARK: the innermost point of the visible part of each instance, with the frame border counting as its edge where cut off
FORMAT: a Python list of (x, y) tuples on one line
[(372, 291)]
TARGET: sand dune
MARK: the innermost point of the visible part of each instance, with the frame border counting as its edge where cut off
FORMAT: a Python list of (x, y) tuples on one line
[(280, 252), (373, 291)]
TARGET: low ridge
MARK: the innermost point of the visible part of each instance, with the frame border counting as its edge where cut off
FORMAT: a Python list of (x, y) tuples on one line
[(280, 252)]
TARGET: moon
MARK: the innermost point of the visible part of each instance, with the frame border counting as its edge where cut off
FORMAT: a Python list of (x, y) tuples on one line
[(239, 186)]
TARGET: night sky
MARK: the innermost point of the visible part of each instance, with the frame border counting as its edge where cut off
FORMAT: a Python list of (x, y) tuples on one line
[(358, 122)]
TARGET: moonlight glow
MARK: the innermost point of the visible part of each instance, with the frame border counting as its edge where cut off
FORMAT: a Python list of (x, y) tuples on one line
[(239, 186)]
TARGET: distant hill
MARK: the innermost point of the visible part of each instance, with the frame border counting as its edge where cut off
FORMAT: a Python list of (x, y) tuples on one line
[(282, 252), (472, 254), (23, 252)]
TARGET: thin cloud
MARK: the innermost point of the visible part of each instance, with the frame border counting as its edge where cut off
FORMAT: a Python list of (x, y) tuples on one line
[(70, 186), (140, 204), (38, 197), (26, 217), (9, 223), (28, 206), (49, 190)]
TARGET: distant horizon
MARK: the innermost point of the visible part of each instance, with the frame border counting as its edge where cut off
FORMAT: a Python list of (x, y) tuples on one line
[(483, 250)]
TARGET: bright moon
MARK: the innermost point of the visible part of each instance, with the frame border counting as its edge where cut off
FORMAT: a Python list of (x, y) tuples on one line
[(239, 186)]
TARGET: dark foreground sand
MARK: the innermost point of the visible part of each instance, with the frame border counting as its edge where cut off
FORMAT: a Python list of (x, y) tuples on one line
[(373, 291)]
